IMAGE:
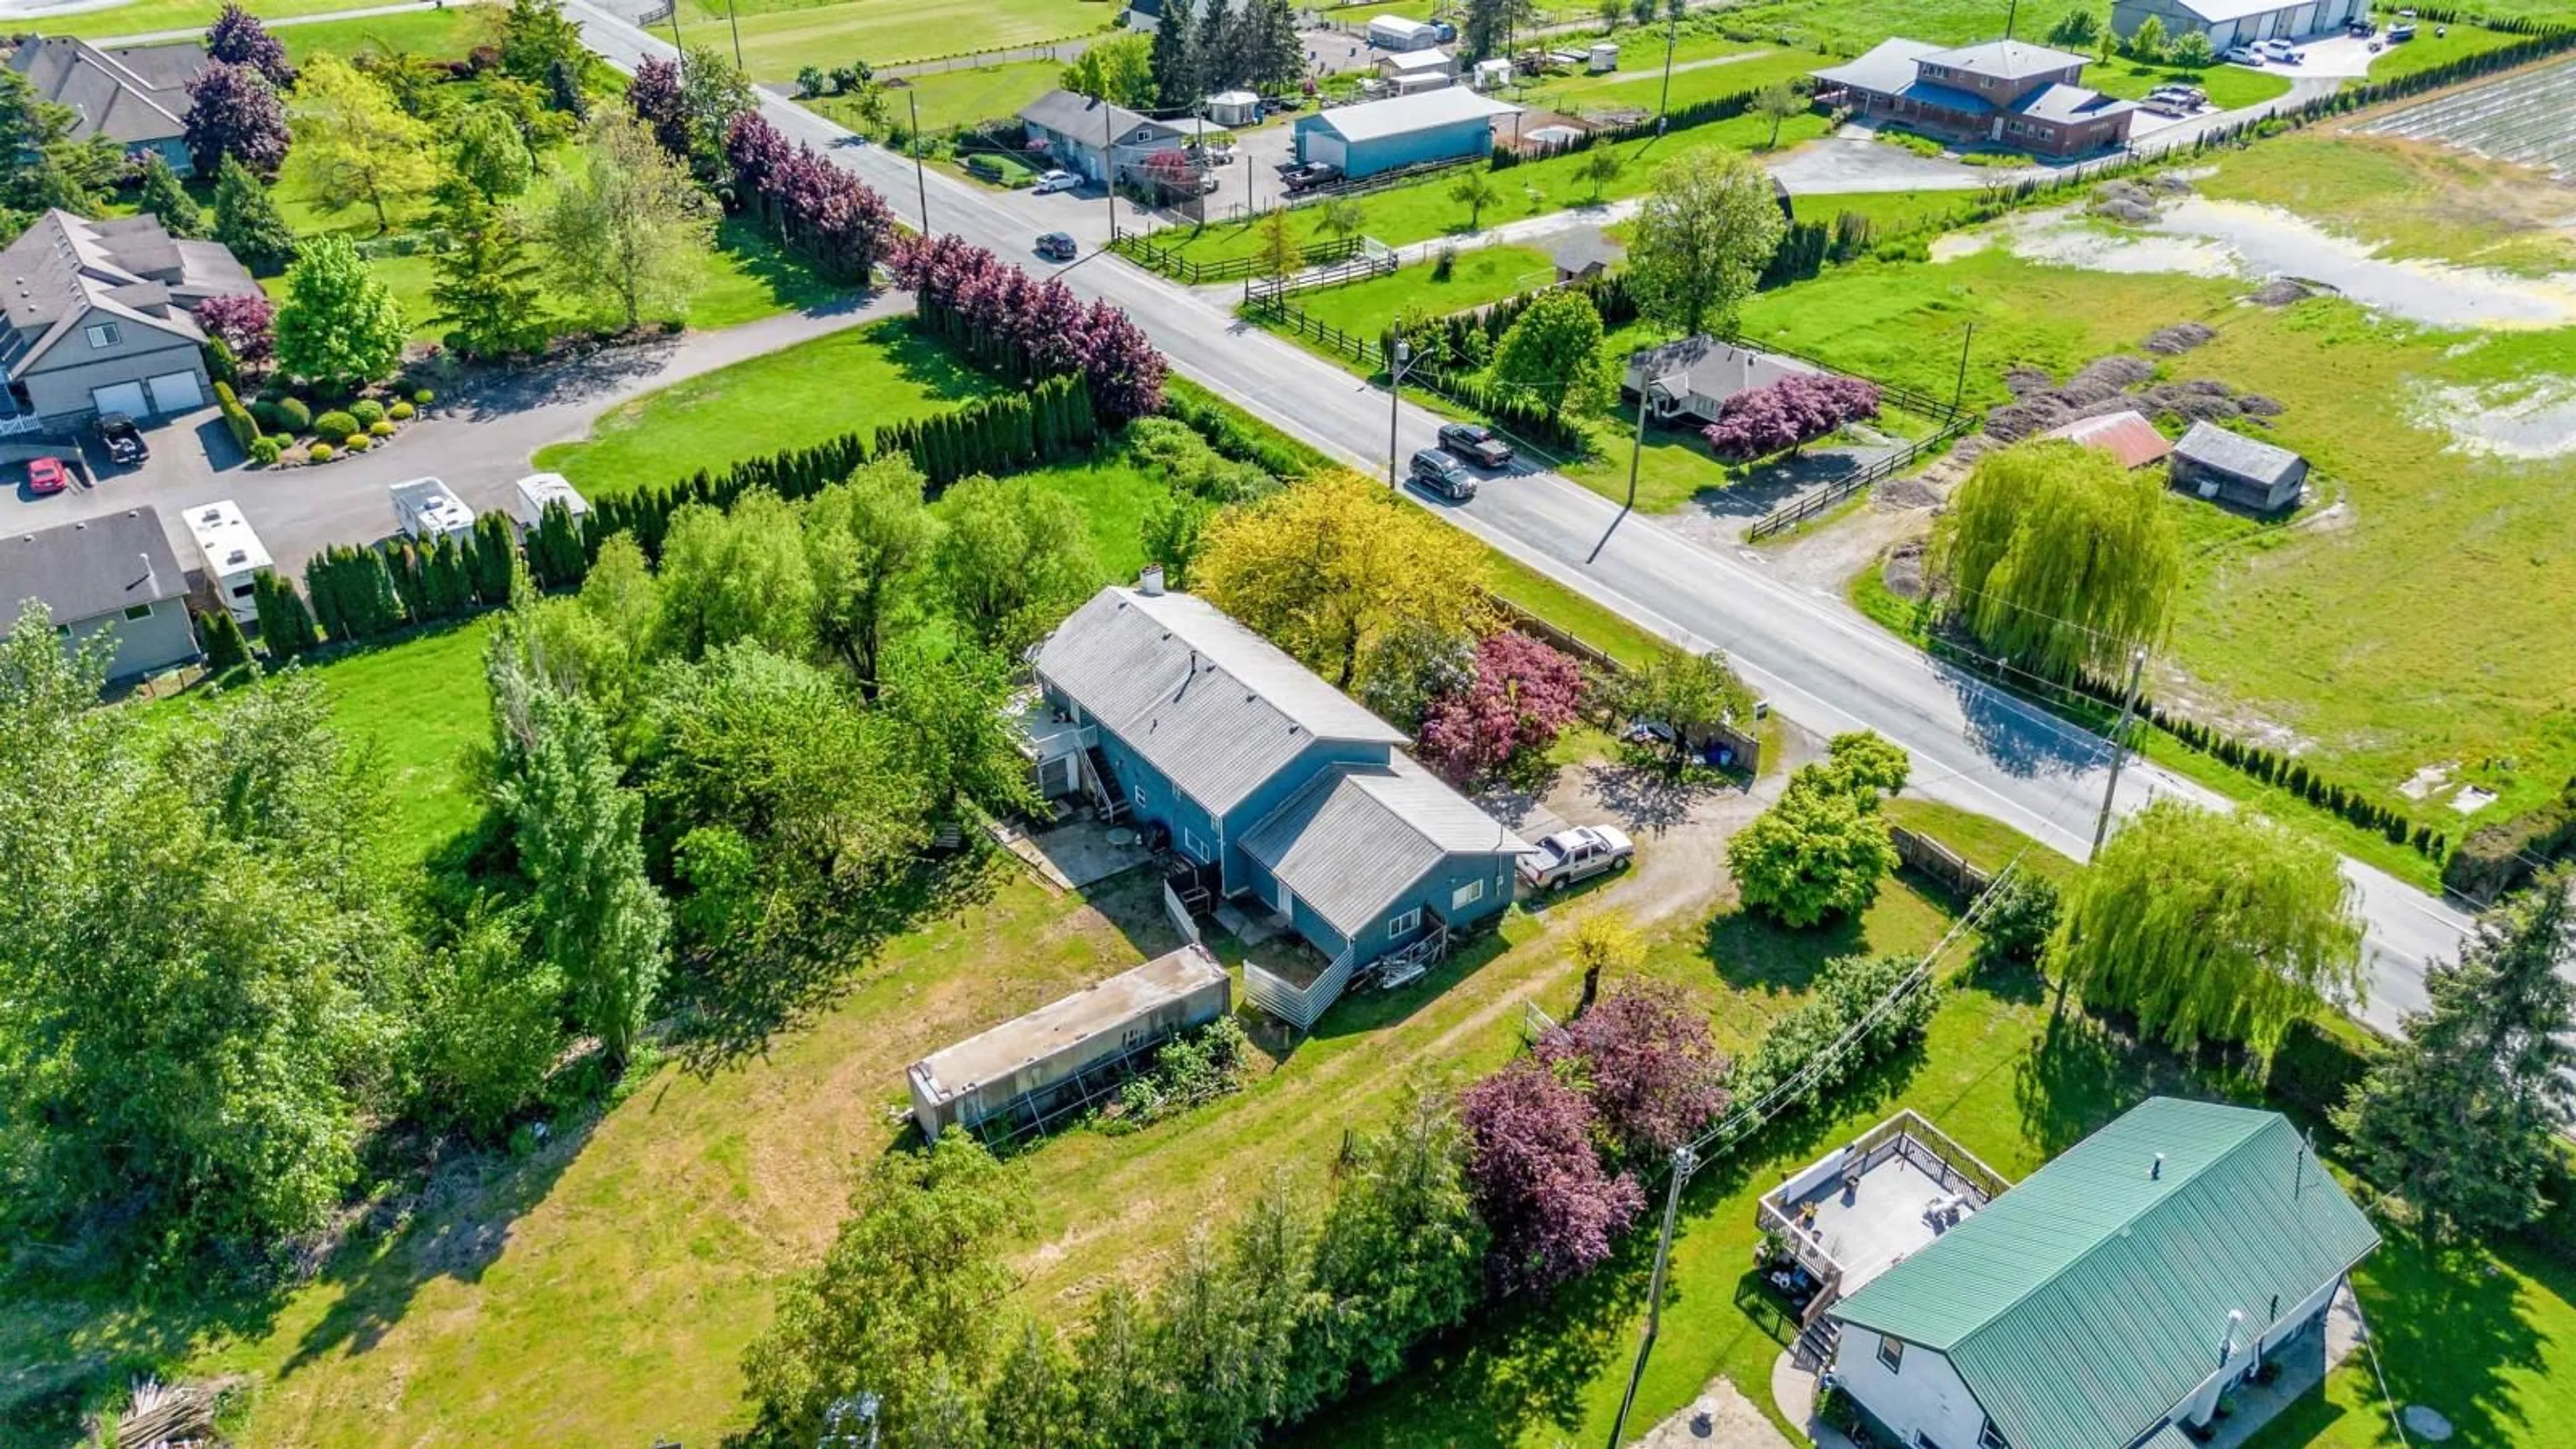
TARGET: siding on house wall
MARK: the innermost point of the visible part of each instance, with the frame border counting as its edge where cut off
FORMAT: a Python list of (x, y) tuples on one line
[(1434, 143), (142, 645), (1923, 1396), (59, 383), (1155, 799)]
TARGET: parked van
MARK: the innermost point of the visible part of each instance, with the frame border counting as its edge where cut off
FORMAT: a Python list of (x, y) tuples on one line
[(232, 553)]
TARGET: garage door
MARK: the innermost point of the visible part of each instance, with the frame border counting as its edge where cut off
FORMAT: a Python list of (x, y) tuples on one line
[(176, 392), (124, 397)]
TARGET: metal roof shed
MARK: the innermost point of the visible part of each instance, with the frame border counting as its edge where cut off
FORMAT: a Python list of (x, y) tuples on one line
[(1448, 124), (2213, 462), (1040, 1063)]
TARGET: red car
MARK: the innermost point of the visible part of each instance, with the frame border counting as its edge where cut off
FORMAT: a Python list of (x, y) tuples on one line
[(46, 475)]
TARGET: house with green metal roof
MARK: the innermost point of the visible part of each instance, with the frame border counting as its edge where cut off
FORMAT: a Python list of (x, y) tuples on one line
[(2107, 1301)]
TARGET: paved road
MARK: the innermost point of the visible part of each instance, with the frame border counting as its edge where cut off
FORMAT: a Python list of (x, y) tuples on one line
[(1817, 660), (479, 442)]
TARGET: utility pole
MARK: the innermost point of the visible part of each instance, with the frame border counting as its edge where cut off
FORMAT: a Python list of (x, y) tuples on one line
[(1672, 37), (1959, 388), (2119, 748), (675, 41), (920, 181), (1395, 368), (1683, 1165), (736, 24), (1637, 453), (1109, 166)]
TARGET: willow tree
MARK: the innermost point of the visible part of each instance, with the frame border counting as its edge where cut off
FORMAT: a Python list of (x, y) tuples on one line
[(2209, 927), (2058, 559)]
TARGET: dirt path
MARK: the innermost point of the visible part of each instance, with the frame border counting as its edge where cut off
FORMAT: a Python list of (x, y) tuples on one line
[(1826, 558), (1720, 1418)]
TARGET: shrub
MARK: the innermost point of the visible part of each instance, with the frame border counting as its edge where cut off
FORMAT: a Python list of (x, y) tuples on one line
[(264, 413), (294, 415), (380, 429), (334, 426), (424, 397), (356, 443), (319, 453), (236, 417), (367, 411), (265, 451), (400, 412)]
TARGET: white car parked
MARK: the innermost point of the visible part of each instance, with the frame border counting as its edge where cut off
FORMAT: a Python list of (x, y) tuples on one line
[(1054, 181), (2279, 50), (2242, 55)]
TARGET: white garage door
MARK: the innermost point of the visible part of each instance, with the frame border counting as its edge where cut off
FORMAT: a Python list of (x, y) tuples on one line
[(176, 392), (124, 397)]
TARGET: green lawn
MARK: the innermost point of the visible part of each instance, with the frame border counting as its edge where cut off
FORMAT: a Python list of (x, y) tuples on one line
[(428, 34), (952, 98), (1638, 83), (418, 704), (2230, 86), (1890, 213), (146, 17), (2428, 50), (804, 395), (1478, 276), (779, 39), (1421, 210)]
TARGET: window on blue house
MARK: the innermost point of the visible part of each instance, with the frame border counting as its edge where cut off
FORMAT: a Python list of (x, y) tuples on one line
[(1406, 924), (1467, 895)]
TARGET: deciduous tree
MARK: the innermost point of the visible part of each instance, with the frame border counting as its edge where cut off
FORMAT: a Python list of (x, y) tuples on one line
[(736, 573), (1326, 568), (2058, 559), (2462, 1117), (1708, 228), (2209, 927), (1820, 851), (1522, 695), (904, 1297), (1776, 103), (1551, 354), (1011, 560), (492, 153), (1684, 692), (1645, 1060), (868, 545), (238, 38), (1538, 1184), (353, 143), (624, 228), (1475, 189), (339, 326), (246, 323), (1119, 70), (234, 113), (1600, 165)]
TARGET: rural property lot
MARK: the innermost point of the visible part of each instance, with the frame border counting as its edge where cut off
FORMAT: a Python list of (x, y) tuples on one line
[(780, 37)]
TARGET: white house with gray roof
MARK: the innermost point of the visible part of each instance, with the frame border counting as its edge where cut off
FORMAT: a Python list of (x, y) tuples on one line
[(115, 575), (99, 317), (1293, 797), (1085, 136)]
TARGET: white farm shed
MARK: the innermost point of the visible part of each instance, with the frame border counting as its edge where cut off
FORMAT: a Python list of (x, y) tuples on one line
[(1394, 32), (1234, 108)]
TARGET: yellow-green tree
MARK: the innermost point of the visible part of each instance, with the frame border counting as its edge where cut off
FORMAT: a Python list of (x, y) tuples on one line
[(2059, 559), (353, 143), (1326, 568), (2209, 927)]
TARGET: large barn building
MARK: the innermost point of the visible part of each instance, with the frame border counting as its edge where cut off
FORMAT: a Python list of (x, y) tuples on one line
[(2230, 23)]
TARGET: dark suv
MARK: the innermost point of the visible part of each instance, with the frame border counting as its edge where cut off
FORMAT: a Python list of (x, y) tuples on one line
[(1476, 443), (1055, 246), (122, 439), (1444, 475)]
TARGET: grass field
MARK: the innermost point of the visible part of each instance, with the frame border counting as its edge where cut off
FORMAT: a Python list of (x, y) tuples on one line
[(1705, 66), (2230, 86), (1478, 276), (2412, 198), (2428, 50), (1422, 210), (791, 399), (779, 39), (1892, 213), (146, 17), (427, 34), (953, 98)]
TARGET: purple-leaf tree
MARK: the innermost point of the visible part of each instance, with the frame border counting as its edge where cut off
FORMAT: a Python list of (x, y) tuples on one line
[(1001, 315), (234, 111), (1790, 413), (1122, 369), (246, 322), (1521, 698), (237, 38), (659, 101), (1649, 1066), (1537, 1181)]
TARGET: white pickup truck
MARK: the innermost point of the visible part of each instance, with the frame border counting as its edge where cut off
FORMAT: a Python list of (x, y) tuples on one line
[(1577, 854)]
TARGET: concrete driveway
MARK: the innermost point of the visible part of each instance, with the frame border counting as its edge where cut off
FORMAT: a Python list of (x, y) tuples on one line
[(479, 441)]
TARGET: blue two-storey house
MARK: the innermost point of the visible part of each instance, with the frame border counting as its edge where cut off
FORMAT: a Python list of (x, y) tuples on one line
[(1286, 792)]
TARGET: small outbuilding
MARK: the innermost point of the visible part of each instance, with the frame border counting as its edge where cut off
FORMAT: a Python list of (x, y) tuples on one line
[(1234, 108), (1394, 32), (2248, 473), (1585, 255), (1448, 124), (1494, 74), (1073, 1049), (2126, 436)]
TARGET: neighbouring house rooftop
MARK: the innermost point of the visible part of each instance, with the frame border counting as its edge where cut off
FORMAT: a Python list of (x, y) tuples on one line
[(1403, 115), (2084, 1304), (1080, 118), (94, 567), (131, 94), (1416, 60), (1887, 67), (1103, 1006), (1356, 837), (2126, 436), (64, 267), (1215, 707), (2004, 59), (2066, 105), (1709, 368), (2211, 446)]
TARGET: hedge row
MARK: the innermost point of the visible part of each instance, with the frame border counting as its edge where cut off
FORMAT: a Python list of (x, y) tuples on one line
[(236, 417), (2274, 768), (2501, 857)]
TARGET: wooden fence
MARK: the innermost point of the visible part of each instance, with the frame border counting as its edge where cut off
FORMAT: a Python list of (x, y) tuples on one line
[(1818, 500), (1300, 1008), (1141, 249), (1746, 745), (1940, 862), (1271, 307), (1360, 268)]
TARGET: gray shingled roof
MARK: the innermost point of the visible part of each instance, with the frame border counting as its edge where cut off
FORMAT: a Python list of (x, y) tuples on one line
[(1078, 117), (1356, 838), (1215, 707), (2065, 104), (94, 567), (2004, 59), (63, 266), (129, 94), (1887, 67), (2215, 447)]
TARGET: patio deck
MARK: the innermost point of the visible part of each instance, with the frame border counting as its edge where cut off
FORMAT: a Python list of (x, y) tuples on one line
[(1862, 1209)]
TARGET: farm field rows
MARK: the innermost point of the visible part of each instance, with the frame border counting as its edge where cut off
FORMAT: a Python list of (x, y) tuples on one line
[(779, 40)]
